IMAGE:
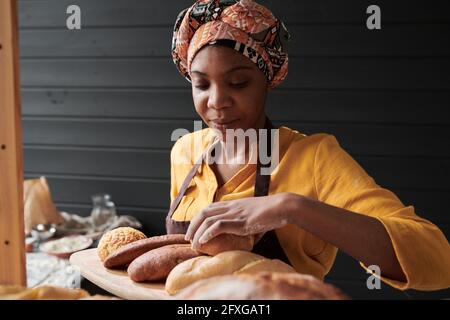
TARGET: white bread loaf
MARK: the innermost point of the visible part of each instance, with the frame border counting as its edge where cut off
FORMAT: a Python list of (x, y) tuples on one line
[(268, 265), (225, 263), (261, 286)]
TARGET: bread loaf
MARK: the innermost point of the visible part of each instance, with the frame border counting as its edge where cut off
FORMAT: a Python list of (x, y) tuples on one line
[(127, 253), (227, 242), (45, 292), (268, 265), (261, 286), (225, 263), (156, 264), (116, 238)]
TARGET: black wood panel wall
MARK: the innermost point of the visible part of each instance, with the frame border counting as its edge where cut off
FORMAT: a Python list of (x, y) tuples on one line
[(99, 104)]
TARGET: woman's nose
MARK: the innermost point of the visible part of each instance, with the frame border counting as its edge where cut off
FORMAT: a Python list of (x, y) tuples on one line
[(218, 98)]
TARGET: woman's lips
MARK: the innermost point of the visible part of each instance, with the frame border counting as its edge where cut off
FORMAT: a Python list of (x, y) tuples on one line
[(223, 124)]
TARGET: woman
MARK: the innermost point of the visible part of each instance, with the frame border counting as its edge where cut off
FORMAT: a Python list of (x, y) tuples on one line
[(317, 199)]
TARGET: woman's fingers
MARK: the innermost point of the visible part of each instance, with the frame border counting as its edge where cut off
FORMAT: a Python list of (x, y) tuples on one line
[(214, 227), (200, 217), (204, 226)]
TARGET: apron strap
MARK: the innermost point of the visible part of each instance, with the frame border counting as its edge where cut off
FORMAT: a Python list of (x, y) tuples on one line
[(262, 182), (186, 183)]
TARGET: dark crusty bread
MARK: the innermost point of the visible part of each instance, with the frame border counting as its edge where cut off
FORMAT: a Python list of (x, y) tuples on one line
[(156, 264), (227, 242), (261, 286), (127, 253)]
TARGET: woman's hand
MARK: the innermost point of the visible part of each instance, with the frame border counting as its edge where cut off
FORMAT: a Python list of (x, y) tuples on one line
[(241, 217)]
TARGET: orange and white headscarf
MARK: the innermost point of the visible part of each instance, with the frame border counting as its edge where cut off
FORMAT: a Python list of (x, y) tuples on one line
[(244, 26)]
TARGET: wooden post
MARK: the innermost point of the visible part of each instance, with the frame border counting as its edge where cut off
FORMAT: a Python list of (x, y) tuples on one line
[(12, 237)]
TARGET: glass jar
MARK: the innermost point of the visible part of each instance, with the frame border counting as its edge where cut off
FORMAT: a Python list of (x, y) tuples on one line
[(103, 209)]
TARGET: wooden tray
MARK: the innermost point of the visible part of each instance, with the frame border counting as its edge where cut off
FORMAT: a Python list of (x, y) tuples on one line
[(116, 282)]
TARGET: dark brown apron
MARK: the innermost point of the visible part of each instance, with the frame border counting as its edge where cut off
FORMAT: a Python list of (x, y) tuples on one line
[(268, 246)]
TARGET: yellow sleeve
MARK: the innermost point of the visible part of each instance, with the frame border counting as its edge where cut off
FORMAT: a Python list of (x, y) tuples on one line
[(421, 248)]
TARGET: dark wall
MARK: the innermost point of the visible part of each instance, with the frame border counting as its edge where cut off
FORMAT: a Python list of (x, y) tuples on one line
[(99, 104)]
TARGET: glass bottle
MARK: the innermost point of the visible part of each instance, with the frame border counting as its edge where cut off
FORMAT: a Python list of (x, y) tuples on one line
[(103, 209)]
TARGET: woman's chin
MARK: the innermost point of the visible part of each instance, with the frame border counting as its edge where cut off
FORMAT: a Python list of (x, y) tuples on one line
[(224, 129)]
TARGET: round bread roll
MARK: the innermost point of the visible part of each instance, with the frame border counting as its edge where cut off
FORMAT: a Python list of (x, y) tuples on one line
[(261, 286), (116, 238), (225, 263), (227, 242)]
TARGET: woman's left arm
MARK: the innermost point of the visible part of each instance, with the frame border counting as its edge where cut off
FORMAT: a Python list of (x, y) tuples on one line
[(362, 237), (350, 211)]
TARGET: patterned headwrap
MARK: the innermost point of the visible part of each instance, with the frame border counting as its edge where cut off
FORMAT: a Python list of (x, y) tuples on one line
[(244, 26)]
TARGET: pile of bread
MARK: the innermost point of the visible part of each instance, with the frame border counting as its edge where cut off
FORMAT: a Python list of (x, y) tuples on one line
[(223, 268)]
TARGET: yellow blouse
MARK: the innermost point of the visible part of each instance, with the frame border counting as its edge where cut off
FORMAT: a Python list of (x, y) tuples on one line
[(317, 167)]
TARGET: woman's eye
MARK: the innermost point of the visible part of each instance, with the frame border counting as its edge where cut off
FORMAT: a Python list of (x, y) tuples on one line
[(201, 86), (239, 84)]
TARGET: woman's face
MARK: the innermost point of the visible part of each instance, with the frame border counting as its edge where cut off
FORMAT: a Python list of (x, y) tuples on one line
[(229, 91)]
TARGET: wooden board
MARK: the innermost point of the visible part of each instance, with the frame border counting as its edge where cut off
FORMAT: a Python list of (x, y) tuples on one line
[(116, 282)]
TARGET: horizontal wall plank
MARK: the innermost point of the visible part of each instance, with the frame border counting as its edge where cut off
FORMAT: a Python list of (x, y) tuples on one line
[(85, 132), (354, 11), (357, 40), (303, 105), (316, 73), (357, 139), (308, 40), (396, 173), (128, 163), (407, 173), (51, 13), (126, 193), (428, 204), (357, 289), (346, 268), (109, 42), (151, 103), (361, 73), (127, 73)]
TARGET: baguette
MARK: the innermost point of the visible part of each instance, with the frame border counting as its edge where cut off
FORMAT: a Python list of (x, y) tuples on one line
[(156, 264), (127, 253)]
